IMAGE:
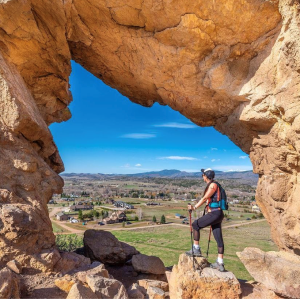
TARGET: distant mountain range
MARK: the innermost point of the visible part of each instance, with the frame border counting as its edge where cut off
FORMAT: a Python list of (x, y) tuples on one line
[(168, 174)]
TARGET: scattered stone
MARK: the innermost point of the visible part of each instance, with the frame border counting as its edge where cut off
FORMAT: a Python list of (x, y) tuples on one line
[(70, 261), (155, 293), (65, 283), (15, 266), (146, 283), (148, 264), (9, 285), (99, 270), (106, 288), (79, 291), (136, 292), (105, 247), (206, 282), (278, 271)]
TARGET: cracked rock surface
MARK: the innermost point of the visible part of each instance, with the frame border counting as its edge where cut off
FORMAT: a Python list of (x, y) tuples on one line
[(231, 64)]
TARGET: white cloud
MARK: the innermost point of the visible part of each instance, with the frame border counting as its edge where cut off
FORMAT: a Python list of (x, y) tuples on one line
[(214, 159), (213, 149), (243, 157), (176, 125), (205, 157), (138, 165), (178, 158), (138, 136)]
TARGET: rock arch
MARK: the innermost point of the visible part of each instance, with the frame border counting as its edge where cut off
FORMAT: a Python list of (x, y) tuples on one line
[(234, 65)]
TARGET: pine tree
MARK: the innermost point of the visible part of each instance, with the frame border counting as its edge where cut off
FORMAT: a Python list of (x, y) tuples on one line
[(154, 219), (80, 215), (163, 219)]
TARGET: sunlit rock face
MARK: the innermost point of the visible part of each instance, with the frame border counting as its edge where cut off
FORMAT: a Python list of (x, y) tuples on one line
[(232, 64)]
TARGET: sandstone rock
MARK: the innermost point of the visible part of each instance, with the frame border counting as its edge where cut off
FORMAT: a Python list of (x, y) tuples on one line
[(203, 59), (104, 246), (106, 288), (206, 282), (256, 290), (79, 291), (146, 283), (148, 264), (135, 291), (70, 261), (65, 283), (9, 285), (278, 271), (15, 266), (155, 293), (99, 270)]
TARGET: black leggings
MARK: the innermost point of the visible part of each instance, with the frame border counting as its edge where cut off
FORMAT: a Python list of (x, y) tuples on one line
[(214, 219)]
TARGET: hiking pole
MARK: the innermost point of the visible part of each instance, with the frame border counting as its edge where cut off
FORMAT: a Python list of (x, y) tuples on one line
[(191, 229), (208, 243)]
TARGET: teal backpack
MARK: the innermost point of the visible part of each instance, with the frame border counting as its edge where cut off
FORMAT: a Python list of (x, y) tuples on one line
[(221, 199)]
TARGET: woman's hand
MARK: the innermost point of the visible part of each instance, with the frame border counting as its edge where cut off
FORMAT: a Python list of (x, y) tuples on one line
[(191, 207)]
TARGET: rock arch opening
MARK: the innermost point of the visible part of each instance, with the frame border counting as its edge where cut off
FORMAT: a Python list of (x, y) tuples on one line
[(241, 79)]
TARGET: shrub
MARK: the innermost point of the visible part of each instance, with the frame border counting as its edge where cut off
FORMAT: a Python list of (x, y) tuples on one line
[(136, 218), (254, 217), (68, 242), (154, 219), (163, 219)]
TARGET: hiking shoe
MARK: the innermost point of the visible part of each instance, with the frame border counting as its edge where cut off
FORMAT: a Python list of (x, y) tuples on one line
[(218, 266), (197, 252)]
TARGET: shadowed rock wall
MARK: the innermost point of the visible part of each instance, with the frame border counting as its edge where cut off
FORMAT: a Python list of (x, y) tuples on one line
[(234, 65)]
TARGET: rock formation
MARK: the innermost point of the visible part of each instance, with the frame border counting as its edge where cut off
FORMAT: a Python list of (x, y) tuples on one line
[(202, 282), (277, 271), (234, 65)]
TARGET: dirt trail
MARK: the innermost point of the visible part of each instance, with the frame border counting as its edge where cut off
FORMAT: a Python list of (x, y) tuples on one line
[(56, 210)]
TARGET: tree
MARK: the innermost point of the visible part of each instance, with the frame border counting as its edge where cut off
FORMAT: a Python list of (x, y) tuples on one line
[(163, 219), (80, 215), (154, 219), (136, 218), (140, 213)]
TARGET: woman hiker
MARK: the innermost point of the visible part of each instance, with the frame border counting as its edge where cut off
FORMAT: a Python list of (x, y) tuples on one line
[(213, 218)]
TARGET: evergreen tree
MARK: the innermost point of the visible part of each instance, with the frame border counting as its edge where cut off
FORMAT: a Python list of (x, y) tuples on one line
[(80, 215), (163, 219), (154, 219)]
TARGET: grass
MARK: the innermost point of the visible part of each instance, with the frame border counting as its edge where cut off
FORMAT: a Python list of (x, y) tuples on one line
[(58, 229), (168, 243)]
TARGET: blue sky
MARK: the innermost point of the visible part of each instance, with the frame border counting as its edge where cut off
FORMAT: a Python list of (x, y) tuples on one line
[(109, 134)]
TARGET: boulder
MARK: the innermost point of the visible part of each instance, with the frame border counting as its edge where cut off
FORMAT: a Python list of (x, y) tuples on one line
[(79, 291), (99, 270), (155, 293), (70, 261), (146, 283), (106, 288), (9, 285), (129, 251), (105, 247), (278, 271), (15, 266), (148, 264), (135, 291), (65, 283), (203, 282)]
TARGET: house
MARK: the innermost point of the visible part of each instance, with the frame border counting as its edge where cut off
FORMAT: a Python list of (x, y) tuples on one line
[(116, 217), (62, 217), (73, 220), (81, 207), (255, 208)]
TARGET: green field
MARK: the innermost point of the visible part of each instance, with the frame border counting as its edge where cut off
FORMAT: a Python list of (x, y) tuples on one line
[(169, 242), (58, 229)]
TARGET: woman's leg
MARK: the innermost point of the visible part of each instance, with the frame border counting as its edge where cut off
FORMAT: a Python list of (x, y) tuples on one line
[(217, 232)]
